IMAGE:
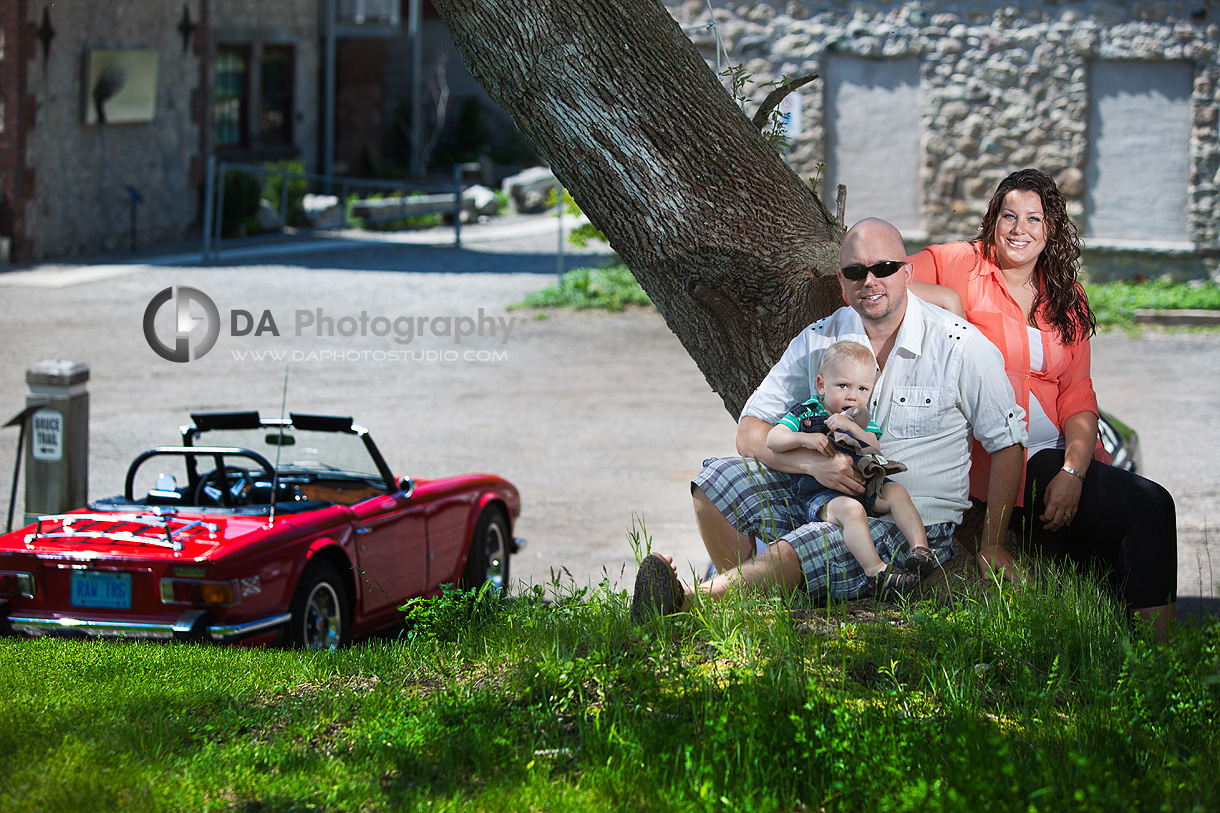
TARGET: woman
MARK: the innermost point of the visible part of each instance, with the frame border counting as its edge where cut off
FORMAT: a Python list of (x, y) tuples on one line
[(1017, 284)]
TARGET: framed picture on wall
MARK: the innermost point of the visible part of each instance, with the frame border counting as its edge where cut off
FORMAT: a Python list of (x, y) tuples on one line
[(120, 86)]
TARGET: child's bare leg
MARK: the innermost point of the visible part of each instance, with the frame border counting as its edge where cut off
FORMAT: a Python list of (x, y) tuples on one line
[(849, 514), (894, 499)]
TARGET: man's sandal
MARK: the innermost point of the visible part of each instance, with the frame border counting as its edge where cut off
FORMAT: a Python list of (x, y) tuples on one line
[(657, 590), (892, 580), (921, 561)]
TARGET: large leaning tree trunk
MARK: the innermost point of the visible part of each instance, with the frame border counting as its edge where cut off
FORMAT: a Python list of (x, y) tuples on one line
[(735, 250)]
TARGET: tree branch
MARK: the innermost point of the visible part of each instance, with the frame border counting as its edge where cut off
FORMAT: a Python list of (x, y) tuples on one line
[(778, 95)]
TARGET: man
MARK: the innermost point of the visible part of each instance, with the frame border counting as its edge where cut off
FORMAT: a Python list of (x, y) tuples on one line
[(940, 382)]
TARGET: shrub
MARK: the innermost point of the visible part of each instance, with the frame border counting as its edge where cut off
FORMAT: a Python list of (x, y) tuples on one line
[(240, 204), (297, 186), (612, 288)]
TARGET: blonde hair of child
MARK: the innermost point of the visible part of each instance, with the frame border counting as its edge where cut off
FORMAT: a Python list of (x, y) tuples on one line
[(840, 353)]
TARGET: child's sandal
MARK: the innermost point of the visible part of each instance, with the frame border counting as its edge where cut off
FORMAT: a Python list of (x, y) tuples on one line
[(921, 561), (893, 580)]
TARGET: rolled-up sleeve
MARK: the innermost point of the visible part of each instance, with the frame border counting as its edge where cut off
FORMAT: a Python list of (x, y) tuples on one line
[(787, 384), (987, 399)]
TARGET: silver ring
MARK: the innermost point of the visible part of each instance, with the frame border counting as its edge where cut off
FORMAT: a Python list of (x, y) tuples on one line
[(1067, 515)]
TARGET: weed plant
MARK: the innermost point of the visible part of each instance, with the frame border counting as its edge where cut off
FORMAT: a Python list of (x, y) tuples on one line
[(1043, 699), (611, 288)]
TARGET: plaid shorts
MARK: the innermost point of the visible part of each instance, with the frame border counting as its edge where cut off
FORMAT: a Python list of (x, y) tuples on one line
[(758, 501)]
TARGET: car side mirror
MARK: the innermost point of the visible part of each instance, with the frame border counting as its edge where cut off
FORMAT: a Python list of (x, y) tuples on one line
[(406, 485)]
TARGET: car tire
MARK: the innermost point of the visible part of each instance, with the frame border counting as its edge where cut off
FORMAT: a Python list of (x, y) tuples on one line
[(321, 611), (488, 559)]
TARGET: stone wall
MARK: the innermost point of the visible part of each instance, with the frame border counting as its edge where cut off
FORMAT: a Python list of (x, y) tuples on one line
[(1001, 86), (78, 202)]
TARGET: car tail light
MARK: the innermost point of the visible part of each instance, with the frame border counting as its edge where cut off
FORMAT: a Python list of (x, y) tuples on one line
[(16, 584), (192, 591)]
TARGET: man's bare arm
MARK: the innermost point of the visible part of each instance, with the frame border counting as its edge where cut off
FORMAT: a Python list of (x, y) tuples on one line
[(1002, 488), (946, 298), (835, 472)]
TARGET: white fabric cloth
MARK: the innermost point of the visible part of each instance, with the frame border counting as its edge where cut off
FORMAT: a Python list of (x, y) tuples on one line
[(1043, 434), (1037, 356), (942, 380)]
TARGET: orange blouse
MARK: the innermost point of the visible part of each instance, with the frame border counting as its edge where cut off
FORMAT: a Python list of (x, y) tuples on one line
[(1064, 388)]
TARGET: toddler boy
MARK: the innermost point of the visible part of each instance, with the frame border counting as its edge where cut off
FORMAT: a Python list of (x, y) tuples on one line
[(825, 423)]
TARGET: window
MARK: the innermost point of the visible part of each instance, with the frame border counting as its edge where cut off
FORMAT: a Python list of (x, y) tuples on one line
[(1138, 172), (232, 96), (254, 102), (873, 128), (276, 100)]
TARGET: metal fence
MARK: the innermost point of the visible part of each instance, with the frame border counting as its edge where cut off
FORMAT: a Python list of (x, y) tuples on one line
[(360, 202)]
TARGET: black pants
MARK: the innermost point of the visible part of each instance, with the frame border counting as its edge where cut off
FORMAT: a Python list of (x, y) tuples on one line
[(1125, 525)]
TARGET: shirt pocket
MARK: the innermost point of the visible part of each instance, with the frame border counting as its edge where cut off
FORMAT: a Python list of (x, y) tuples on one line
[(913, 411)]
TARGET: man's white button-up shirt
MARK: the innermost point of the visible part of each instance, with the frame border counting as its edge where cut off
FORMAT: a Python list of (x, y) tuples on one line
[(942, 383)]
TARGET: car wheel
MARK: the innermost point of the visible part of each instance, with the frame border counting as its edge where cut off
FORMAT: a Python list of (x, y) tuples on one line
[(320, 610), (488, 557)]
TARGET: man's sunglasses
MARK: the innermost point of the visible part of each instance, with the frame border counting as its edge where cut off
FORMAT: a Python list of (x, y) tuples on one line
[(856, 273)]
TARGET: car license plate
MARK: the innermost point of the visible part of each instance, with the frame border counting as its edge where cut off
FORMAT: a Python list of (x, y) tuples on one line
[(111, 590)]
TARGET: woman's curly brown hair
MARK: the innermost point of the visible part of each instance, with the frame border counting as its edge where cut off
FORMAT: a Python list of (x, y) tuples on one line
[(1060, 299)]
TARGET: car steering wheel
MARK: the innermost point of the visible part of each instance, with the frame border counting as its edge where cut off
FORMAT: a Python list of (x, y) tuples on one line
[(240, 482)]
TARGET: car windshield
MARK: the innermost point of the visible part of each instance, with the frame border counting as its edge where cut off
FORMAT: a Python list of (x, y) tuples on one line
[(299, 449)]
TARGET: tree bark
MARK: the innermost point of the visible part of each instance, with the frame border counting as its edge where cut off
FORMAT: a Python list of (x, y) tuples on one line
[(735, 250)]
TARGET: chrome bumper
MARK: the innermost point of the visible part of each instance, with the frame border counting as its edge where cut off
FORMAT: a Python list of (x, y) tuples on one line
[(189, 625)]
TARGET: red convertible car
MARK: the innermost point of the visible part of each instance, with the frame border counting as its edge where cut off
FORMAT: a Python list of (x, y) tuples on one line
[(260, 530)]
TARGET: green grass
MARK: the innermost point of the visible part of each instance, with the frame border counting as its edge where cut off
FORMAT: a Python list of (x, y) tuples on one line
[(1041, 700), (611, 288), (1114, 303)]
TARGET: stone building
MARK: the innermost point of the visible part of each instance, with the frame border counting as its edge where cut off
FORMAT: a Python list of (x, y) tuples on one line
[(101, 110), (922, 107), (109, 110)]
